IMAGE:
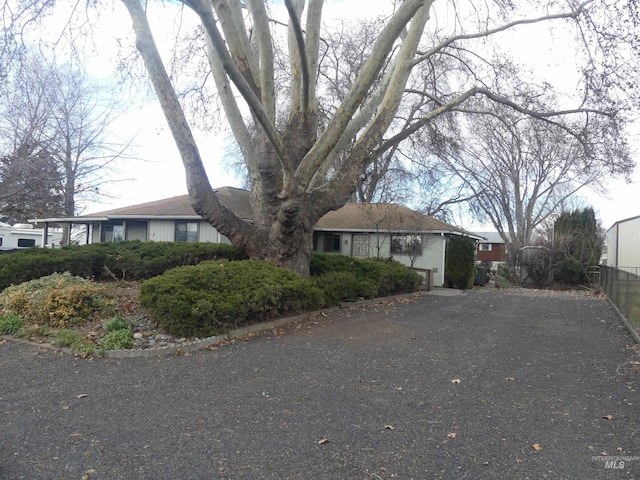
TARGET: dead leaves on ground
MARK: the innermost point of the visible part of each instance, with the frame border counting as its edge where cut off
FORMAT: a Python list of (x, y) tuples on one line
[(537, 447)]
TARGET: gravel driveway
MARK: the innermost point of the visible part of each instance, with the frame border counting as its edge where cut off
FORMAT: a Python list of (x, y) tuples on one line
[(495, 384)]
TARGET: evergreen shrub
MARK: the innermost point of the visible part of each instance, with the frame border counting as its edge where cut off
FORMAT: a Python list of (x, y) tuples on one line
[(215, 296), (131, 260), (57, 300), (460, 262), (369, 277), (570, 272)]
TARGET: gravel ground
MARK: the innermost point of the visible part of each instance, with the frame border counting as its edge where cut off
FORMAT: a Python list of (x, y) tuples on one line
[(485, 385)]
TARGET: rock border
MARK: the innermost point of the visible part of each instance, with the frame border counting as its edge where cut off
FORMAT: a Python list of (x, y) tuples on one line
[(189, 347)]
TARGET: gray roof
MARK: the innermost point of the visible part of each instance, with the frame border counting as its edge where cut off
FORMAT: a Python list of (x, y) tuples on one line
[(353, 217), (376, 217), (235, 199), (490, 237)]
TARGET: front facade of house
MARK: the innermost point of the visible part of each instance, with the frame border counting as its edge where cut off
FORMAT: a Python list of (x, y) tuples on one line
[(362, 231), (387, 231), (623, 245)]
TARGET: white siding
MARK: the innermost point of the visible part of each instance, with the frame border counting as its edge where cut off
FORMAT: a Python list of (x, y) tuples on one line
[(612, 246), (379, 246), (136, 231), (162, 230), (207, 233), (432, 257), (628, 245)]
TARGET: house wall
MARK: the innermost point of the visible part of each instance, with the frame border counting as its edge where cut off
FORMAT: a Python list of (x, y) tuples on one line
[(496, 254), (378, 245), (136, 231), (623, 244), (161, 231)]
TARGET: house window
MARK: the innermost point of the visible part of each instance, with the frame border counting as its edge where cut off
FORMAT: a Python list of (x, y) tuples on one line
[(406, 244), (485, 247), (112, 233), (26, 242), (187, 232), (332, 242)]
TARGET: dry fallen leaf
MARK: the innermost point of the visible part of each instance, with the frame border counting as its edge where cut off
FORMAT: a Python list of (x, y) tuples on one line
[(607, 417), (65, 407), (456, 380), (537, 447), (510, 379), (389, 427), (323, 441), (451, 435), (82, 395)]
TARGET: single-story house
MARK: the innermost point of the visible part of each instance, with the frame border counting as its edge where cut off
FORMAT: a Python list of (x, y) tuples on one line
[(359, 230), (623, 245)]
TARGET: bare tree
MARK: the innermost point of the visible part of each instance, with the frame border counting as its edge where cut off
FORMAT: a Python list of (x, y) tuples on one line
[(301, 165), (519, 170), (300, 169), (55, 114)]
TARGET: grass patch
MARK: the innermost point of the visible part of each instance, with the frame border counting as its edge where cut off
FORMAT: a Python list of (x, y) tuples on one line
[(10, 324)]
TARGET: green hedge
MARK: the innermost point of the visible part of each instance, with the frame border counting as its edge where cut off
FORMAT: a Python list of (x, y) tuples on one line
[(216, 296), (346, 278), (132, 260)]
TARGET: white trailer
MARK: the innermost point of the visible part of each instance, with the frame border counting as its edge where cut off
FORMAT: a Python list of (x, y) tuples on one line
[(23, 235)]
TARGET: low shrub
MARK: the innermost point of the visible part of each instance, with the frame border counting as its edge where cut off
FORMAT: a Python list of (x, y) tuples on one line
[(118, 339), (73, 339), (345, 278), (118, 323), (66, 337), (131, 260), (33, 332), (56, 300), (570, 272), (216, 296), (10, 324)]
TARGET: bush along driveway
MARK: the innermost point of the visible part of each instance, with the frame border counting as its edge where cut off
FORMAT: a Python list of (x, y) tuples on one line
[(488, 384)]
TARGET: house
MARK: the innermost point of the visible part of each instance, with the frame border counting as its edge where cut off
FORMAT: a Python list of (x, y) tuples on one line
[(623, 245), (382, 230), (23, 235), (359, 230), (491, 248)]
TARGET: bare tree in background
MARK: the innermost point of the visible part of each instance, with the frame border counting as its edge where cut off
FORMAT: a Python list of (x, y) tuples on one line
[(53, 118), (519, 170)]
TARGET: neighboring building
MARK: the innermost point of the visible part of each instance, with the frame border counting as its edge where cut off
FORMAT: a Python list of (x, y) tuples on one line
[(491, 248), (23, 235), (359, 230), (623, 245)]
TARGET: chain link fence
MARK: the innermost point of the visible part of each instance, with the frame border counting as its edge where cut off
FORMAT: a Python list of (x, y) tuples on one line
[(622, 286)]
